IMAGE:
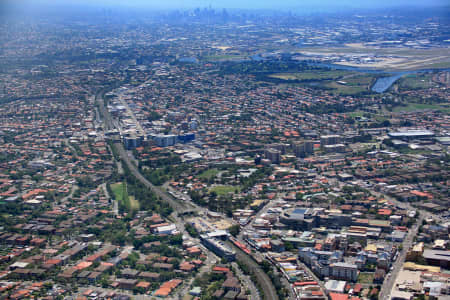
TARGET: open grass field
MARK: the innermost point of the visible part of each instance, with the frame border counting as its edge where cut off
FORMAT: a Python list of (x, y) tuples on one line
[(445, 108), (342, 82), (225, 57), (121, 195), (208, 174), (355, 114), (365, 278), (134, 204), (224, 189), (118, 190), (344, 89), (312, 75), (416, 81)]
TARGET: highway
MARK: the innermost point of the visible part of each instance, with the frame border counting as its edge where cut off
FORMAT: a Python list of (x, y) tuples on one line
[(181, 207), (177, 206), (263, 279)]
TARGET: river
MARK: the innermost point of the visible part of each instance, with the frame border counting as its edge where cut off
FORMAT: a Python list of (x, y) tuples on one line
[(383, 83), (380, 86)]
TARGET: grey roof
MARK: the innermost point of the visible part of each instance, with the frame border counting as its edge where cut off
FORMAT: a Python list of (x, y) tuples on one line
[(442, 255)]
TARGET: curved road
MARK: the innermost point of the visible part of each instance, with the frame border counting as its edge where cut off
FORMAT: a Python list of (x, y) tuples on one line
[(262, 278), (177, 206)]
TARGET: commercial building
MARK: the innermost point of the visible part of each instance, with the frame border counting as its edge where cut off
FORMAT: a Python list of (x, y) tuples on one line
[(218, 247), (299, 218), (335, 286), (186, 137), (437, 257), (344, 271), (335, 148), (164, 140)]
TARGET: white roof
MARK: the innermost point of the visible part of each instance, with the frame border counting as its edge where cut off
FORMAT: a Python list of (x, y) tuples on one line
[(335, 286), (19, 264), (170, 227)]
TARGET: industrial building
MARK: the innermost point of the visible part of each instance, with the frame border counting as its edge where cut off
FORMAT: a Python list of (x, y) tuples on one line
[(411, 134), (218, 247)]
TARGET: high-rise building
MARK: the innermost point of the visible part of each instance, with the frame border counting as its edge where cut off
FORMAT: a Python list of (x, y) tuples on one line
[(273, 155), (304, 149), (332, 139)]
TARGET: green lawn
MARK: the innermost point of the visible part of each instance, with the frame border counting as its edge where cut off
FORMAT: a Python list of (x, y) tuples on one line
[(366, 278), (208, 174), (225, 57), (341, 81), (134, 204), (345, 89), (311, 75), (355, 114), (120, 194), (416, 81), (118, 190), (441, 65), (224, 189), (421, 106)]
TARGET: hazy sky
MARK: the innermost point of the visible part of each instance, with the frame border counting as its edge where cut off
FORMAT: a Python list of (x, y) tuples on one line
[(257, 4)]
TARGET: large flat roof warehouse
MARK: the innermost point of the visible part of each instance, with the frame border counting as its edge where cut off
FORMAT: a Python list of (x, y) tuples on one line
[(335, 286), (443, 255), (414, 133)]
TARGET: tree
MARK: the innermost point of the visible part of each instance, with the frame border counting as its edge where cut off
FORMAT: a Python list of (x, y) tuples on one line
[(234, 230), (288, 246)]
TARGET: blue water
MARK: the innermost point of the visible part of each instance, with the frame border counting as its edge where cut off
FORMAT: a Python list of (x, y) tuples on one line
[(383, 83), (380, 86)]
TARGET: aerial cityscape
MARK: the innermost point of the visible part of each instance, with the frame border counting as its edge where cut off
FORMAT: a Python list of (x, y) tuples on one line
[(205, 150)]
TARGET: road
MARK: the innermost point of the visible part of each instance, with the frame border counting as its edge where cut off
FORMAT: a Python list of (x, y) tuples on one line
[(211, 259), (72, 149), (311, 273), (180, 207), (115, 202), (130, 113), (70, 195), (177, 206), (389, 282)]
